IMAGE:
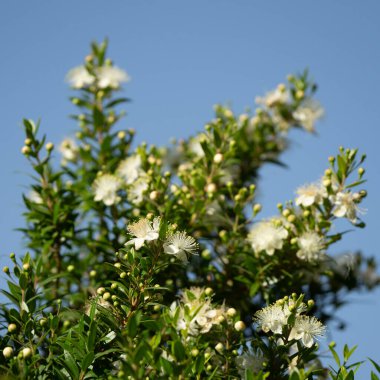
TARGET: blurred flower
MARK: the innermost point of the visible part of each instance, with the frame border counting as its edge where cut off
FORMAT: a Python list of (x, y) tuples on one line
[(195, 145), (130, 168), (345, 205), (249, 361), (180, 244), (265, 236), (310, 245), (35, 197), (308, 113), (278, 96), (106, 187), (307, 329), (69, 149), (79, 77), (196, 315), (310, 194), (111, 76), (144, 230), (137, 189)]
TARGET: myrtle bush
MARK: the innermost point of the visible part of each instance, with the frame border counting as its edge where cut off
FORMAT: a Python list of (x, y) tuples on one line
[(148, 262)]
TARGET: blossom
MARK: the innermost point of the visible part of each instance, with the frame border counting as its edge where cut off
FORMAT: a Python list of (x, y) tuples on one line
[(345, 205), (308, 114), (137, 189), (106, 187), (69, 149), (79, 77), (180, 244), (272, 318), (265, 236), (310, 245), (195, 145), (196, 315), (249, 361), (35, 197), (310, 194), (129, 169), (144, 230), (272, 98), (307, 329), (111, 76)]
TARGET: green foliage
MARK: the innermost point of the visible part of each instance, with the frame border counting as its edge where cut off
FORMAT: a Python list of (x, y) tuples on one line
[(150, 262)]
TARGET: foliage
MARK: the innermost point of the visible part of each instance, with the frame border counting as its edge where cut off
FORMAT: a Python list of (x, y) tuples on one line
[(152, 263)]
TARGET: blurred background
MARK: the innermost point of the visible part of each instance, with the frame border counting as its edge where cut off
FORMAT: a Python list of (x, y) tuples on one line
[(183, 58)]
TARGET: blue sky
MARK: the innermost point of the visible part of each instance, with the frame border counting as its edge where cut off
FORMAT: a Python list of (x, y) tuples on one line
[(184, 57)]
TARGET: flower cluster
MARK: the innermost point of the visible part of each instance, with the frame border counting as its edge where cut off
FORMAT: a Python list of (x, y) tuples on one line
[(103, 77), (177, 244), (195, 314), (276, 319)]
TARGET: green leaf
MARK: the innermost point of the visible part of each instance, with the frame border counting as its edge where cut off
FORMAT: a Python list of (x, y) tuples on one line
[(87, 360), (70, 364), (178, 350), (377, 366)]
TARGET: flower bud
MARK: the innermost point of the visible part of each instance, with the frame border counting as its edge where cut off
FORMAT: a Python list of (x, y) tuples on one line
[(114, 286), (49, 146), (231, 312), (106, 296), (219, 347), (194, 352), (326, 183), (12, 328), (27, 353), (218, 158), (93, 273), (208, 291), (100, 290), (70, 268), (117, 265), (291, 218), (25, 150), (43, 322), (123, 275), (121, 135), (286, 213), (257, 208), (26, 266), (6, 270), (239, 326), (211, 188), (153, 195), (206, 254), (8, 352)]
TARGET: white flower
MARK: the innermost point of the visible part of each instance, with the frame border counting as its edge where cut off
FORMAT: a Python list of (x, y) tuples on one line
[(345, 205), (307, 329), (310, 245), (265, 236), (180, 244), (249, 361), (272, 318), (195, 144), (278, 96), (35, 197), (79, 77), (106, 187), (111, 76), (130, 168), (137, 189), (199, 316), (308, 114), (69, 149), (310, 194), (144, 230)]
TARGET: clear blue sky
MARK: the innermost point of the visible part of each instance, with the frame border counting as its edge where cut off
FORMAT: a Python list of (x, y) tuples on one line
[(185, 56)]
